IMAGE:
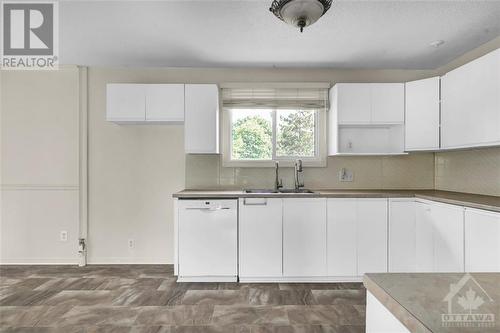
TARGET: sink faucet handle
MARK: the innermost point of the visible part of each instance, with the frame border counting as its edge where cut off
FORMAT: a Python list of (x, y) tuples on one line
[(298, 165), (278, 182)]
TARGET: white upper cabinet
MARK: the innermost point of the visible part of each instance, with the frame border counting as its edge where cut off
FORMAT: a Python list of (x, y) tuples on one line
[(260, 241), (482, 241), (162, 103), (388, 103), (304, 237), (125, 102), (201, 123), (422, 115), (470, 106), (353, 102), (366, 103), (366, 119), (165, 102)]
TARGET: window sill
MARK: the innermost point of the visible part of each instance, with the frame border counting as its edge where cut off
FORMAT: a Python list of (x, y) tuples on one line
[(271, 164)]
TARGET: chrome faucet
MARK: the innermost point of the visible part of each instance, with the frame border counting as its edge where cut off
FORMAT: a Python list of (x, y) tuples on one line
[(278, 183), (298, 170)]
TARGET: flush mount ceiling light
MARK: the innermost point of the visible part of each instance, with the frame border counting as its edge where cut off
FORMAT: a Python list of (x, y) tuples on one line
[(300, 13)]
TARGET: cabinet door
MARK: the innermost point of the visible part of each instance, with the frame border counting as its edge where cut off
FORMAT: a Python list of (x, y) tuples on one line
[(448, 226), (482, 241), (422, 114), (402, 250), (260, 237), (470, 104), (388, 102), (201, 122), (424, 243), (304, 237), (342, 252), (125, 102), (165, 102), (372, 236), (354, 102)]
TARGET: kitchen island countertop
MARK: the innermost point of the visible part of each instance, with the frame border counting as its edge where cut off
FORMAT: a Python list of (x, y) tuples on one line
[(422, 301)]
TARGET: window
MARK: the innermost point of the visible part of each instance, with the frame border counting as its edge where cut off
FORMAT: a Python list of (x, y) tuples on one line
[(265, 125)]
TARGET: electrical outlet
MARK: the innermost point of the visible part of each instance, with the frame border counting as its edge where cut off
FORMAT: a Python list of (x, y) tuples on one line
[(63, 236), (346, 175), (131, 244)]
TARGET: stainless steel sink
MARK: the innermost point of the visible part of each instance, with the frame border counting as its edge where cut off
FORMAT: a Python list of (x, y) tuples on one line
[(262, 191), (282, 190), (292, 190)]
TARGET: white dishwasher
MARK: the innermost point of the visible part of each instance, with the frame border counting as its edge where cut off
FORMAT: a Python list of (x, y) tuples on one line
[(208, 240)]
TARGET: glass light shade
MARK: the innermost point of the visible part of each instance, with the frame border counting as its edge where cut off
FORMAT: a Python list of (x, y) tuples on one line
[(300, 13)]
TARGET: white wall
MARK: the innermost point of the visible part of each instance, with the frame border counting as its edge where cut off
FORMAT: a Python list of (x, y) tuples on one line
[(39, 165), (133, 172)]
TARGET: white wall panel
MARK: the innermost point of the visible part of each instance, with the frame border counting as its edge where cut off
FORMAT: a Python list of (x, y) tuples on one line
[(40, 165), (31, 224)]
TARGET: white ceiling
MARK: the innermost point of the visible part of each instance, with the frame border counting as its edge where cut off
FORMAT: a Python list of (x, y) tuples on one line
[(361, 34)]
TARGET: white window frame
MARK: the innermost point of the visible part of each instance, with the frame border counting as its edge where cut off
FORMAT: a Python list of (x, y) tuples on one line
[(320, 159)]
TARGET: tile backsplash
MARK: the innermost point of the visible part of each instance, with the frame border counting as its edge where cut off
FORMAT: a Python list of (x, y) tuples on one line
[(472, 171), (413, 171)]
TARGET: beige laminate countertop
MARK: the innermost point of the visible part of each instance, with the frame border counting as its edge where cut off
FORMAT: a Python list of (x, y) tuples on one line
[(456, 198), (418, 300)]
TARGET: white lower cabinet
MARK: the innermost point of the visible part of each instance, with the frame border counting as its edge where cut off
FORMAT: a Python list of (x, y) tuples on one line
[(448, 225), (402, 240), (336, 239), (482, 241), (357, 236), (372, 236), (425, 236), (260, 242), (342, 240), (424, 242), (304, 237), (439, 236)]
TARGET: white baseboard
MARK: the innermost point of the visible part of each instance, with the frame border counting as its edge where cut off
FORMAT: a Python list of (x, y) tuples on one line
[(128, 261), (207, 279), (301, 279), (39, 261)]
